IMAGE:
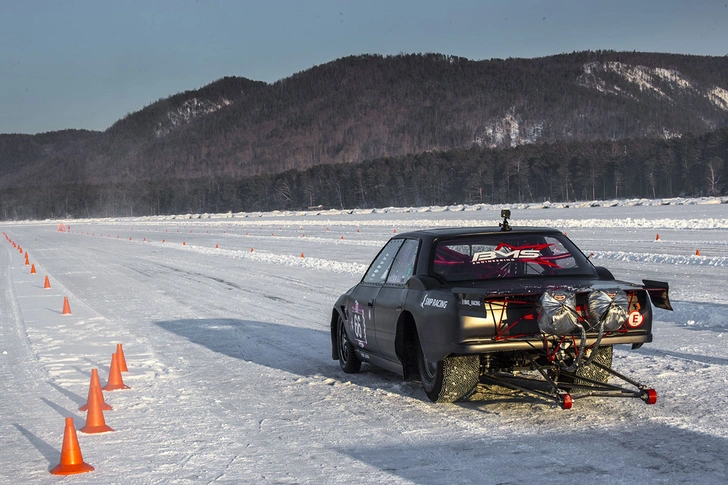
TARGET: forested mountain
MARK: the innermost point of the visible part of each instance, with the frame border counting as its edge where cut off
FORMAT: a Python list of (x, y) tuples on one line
[(371, 107)]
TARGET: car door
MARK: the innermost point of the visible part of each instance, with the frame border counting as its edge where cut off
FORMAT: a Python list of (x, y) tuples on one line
[(363, 300), (391, 297)]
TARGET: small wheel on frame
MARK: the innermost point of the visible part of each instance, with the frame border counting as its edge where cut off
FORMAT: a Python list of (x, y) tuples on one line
[(649, 396), (565, 400)]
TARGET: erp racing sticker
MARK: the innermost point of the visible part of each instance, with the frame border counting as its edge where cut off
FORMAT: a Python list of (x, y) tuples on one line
[(433, 302), (358, 324)]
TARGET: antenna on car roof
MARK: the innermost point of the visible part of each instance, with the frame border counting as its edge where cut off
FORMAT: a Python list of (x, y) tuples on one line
[(505, 214)]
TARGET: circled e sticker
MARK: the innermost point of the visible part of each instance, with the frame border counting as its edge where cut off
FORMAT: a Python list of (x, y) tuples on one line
[(635, 319)]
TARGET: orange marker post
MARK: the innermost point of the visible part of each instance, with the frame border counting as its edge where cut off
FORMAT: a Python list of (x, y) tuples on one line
[(114, 381), (121, 360), (95, 386), (66, 306), (71, 458)]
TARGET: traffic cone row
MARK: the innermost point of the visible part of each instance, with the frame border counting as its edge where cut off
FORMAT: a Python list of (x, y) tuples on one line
[(47, 283), (71, 458)]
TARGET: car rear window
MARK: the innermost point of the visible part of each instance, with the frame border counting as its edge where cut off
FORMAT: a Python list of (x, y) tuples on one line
[(507, 255)]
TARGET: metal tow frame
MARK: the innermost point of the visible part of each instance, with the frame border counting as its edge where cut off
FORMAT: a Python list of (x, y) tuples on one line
[(564, 393)]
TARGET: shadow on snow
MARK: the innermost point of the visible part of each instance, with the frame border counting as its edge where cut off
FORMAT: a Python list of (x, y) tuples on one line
[(649, 454), (302, 351)]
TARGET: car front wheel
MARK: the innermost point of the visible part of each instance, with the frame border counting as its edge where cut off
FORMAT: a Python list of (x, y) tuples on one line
[(449, 379), (348, 359)]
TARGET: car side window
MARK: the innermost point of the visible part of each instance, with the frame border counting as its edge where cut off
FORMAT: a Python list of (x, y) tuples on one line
[(379, 269), (404, 263)]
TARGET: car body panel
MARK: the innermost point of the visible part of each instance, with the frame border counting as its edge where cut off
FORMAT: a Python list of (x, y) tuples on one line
[(486, 315)]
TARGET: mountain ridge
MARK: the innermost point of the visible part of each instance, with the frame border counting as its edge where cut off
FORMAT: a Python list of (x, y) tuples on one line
[(364, 107)]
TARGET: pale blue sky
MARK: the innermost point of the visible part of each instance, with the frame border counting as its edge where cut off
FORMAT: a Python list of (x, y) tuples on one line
[(87, 63)]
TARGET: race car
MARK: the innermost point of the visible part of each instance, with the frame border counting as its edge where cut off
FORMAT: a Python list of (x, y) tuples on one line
[(517, 307)]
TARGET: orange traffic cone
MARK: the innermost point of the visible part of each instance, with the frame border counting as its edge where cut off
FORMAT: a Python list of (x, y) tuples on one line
[(657, 237), (95, 422), (32, 269), (302, 255), (47, 283), (697, 252), (114, 381), (71, 458), (252, 250), (217, 247), (66, 306), (120, 359), (95, 386), (27, 263)]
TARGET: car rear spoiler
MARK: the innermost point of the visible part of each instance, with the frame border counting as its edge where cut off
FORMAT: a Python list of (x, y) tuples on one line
[(658, 293)]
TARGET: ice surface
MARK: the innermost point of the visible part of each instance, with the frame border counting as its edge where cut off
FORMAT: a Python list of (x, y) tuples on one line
[(229, 354)]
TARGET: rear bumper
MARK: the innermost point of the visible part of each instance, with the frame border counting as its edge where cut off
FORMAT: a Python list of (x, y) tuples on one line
[(488, 346)]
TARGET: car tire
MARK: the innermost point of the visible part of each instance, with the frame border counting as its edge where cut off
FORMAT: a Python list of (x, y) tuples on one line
[(604, 357), (449, 379), (348, 360)]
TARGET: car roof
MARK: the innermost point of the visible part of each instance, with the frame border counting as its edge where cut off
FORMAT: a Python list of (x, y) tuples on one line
[(475, 231)]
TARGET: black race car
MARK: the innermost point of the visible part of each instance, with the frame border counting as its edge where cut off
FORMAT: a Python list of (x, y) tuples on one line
[(522, 308)]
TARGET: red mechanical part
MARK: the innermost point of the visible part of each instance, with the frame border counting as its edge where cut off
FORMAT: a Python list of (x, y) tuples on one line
[(565, 401), (649, 396)]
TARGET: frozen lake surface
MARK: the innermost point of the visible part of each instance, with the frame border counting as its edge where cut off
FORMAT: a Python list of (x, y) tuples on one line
[(231, 374)]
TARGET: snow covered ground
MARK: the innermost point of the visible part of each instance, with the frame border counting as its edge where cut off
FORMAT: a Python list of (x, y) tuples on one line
[(230, 370)]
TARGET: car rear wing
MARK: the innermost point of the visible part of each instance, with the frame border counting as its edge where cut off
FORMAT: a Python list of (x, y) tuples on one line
[(658, 293)]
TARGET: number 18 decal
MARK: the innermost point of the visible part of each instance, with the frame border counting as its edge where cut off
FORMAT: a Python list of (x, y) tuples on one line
[(358, 324)]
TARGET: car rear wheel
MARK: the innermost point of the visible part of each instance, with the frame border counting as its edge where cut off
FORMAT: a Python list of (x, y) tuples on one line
[(449, 379), (604, 357), (348, 359), (591, 371)]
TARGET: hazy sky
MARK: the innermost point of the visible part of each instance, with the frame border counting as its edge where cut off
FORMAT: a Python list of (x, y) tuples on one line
[(87, 63)]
